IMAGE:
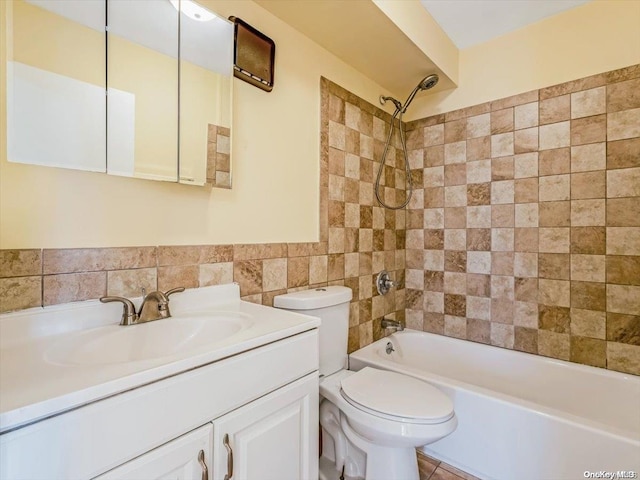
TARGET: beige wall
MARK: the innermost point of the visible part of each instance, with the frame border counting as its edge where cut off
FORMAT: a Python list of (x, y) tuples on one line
[(275, 164), (275, 138), (599, 36)]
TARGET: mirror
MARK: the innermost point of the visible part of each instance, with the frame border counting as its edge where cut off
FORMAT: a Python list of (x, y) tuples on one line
[(206, 78), (168, 77), (55, 83), (142, 89)]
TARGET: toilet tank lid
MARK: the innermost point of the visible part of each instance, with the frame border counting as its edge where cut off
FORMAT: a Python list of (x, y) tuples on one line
[(314, 298)]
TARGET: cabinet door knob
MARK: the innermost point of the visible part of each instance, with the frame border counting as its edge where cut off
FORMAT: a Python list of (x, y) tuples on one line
[(225, 442), (203, 464)]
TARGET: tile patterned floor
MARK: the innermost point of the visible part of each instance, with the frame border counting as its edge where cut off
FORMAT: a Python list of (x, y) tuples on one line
[(432, 469)]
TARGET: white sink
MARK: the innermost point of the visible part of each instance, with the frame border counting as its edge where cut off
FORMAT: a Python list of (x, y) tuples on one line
[(152, 340)]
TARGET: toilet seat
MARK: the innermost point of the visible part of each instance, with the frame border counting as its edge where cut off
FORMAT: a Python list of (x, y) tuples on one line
[(397, 397)]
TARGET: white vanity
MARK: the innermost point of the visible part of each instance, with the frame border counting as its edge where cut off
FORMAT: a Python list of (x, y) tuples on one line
[(82, 397)]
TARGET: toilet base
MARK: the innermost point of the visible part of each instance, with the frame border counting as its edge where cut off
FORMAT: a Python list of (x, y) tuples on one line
[(402, 466), (327, 471)]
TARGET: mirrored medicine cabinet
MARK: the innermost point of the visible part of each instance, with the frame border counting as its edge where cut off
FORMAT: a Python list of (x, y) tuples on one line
[(150, 99)]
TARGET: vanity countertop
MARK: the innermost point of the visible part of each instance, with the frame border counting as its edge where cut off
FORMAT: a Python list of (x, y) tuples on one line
[(34, 387)]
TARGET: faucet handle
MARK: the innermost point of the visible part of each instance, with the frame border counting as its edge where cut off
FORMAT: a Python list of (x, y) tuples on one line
[(174, 290), (129, 315)]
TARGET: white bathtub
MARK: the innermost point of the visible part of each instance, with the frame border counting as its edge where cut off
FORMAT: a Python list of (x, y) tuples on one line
[(521, 416)]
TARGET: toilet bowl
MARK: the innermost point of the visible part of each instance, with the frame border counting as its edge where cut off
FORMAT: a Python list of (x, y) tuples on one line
[(385, 415), (371, 420)]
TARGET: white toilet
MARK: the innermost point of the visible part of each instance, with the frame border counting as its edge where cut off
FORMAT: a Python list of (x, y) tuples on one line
[(372, 420)]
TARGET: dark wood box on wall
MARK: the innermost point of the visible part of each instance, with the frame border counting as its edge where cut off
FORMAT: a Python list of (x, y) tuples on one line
[(253, 56)]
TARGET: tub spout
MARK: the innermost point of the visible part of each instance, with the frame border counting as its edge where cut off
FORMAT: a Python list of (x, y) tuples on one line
[(386, 323)]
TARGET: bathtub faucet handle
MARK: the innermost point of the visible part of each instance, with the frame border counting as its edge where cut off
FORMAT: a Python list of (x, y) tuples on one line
[(384, 282)]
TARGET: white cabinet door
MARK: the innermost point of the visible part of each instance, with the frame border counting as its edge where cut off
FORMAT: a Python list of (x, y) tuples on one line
[(186, 458), (272, 438)]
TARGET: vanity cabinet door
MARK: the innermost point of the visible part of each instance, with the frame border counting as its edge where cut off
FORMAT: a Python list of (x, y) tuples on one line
[(272, 438), (186, 458)]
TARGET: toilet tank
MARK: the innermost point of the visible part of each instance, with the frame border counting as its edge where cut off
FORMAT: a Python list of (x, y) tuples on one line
[(331, 305)]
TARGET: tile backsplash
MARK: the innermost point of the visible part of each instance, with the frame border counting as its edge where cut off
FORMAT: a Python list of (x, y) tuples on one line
[(357, 240), (523, 231)]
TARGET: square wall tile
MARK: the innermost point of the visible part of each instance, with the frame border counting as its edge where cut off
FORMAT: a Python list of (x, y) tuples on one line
[(589, 351), (479, 217), (588, 102), (502, 121), (434, 135), (526, 140), (502, 239), (479, 262), (623, 299), (586, 213), (526, 314), (526, 115), (479, 171), (554, 214), (554, 187), (455, 131), (478, 148), (525, 264), (526, 240), (623, 212), (623, 270), (455, 152), (502, 311), (588, 240), (526, 165), (588, 295), (526, 215), (590, 157), (623, 357), (554, 162), (554, 345), (503, 216), (554, 135), (526, 190), (555, 109), (623, 153), (589, 130), (554, 240), (623, 328), (588, 323), (554, 266), (588, 268), (502, 168), (588, 185), (502, 145), (624, 124), (623, 241), (502, 192), (624, 182), (623, 95), (479, 126)]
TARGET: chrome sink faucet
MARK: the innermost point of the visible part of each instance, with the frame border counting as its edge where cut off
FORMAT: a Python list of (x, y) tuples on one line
[(386, 323), (155, 306)]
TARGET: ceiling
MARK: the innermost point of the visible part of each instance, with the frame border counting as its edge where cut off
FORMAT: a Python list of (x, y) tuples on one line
[(359, 33), (470, 22)]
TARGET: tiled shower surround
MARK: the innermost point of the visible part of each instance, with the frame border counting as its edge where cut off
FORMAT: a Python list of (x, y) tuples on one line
[(527, 233), (523, 232)]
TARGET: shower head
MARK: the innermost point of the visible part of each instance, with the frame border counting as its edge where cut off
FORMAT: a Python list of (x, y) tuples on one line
[(425, 84), (429, 82)]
